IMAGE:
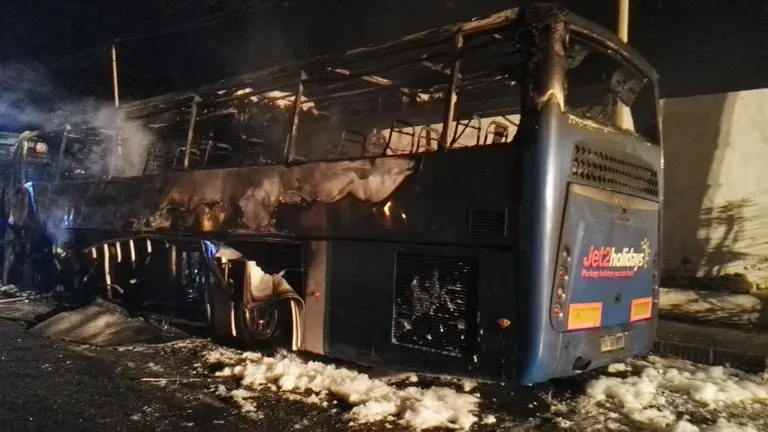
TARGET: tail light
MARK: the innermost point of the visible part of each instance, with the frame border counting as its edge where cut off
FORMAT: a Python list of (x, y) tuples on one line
[(560, 293), (36, 147), (561, 283)]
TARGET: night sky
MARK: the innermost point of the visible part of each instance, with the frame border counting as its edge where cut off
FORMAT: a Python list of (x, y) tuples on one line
[(698, 46)]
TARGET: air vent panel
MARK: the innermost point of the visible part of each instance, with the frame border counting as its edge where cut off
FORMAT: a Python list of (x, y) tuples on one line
[(434, 302), (614, 171), (488, 223)]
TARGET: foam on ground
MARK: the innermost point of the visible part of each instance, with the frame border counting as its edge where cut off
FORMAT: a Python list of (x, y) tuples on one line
[(670, 395), (103, 324), (319, 383)]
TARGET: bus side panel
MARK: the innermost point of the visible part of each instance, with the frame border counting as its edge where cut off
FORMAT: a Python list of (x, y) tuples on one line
[(545, 173), (432, 309), (375, 199)]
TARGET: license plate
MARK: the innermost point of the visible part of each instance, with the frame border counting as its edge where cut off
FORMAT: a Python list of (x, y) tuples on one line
[(613, 342)]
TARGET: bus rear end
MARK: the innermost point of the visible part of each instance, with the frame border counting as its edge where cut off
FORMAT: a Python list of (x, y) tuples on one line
[(595, 194)]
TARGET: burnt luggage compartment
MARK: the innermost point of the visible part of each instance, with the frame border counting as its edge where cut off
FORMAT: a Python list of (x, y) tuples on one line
[(421, 308)]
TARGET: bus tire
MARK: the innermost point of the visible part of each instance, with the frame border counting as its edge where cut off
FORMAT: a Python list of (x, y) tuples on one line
[(268, 327)]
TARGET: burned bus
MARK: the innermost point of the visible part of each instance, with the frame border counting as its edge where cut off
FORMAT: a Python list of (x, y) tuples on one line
[(477, 200)]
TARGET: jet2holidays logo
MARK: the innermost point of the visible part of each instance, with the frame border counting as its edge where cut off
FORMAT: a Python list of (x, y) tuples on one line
[(608, 262)]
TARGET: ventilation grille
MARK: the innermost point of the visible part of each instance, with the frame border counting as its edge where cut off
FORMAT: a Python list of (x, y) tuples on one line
[(607, 170), (434, 302), (488, 223)]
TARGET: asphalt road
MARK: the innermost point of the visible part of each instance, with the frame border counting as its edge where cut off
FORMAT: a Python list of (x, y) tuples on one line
[(48, 385), (54, 385)]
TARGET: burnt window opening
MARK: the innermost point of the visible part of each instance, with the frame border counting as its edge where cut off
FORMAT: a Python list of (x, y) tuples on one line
[(597, 82), (399, 102), (247, 129), (85, 154), (351, 106)]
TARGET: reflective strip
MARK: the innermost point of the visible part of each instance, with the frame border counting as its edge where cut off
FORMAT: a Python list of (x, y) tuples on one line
[(641, 309), (173, 260), (232, 325), (133, 251), (107, 274), (584, 315), (297, 326)]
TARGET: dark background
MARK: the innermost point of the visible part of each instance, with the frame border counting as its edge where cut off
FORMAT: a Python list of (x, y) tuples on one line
[(698, 46)]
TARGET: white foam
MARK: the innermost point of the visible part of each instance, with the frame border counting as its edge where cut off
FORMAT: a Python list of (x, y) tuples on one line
[(373, 399), (662, 394)]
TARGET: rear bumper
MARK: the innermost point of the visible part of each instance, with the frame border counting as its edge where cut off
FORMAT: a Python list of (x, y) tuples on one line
[(579, 351)]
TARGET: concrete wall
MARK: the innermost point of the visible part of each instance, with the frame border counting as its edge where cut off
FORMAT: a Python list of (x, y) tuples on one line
[(716, 166)]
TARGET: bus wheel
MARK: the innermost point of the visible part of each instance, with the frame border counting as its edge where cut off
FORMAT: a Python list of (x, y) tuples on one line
[(266, 327), (261, 324)]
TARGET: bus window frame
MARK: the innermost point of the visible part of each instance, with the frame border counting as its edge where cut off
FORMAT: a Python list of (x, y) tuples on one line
[(453, 34), (627, 59), (19, 159), (450, 105)]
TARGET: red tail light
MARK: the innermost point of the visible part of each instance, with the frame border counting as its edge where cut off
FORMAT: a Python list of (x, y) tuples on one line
[(557, 311)]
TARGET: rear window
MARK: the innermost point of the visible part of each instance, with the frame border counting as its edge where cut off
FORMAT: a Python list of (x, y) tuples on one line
[(596, 82)]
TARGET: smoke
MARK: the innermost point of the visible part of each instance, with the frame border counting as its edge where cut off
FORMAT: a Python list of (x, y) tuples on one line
[(122, 145), (25, 92), (57, 222), (29, 100), (136, 140)]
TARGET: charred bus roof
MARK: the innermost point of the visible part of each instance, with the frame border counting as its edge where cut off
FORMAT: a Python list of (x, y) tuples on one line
[(284, 78), (612, 42)]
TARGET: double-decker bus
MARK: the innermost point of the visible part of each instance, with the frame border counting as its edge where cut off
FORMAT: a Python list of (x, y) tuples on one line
[(477, 200)]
